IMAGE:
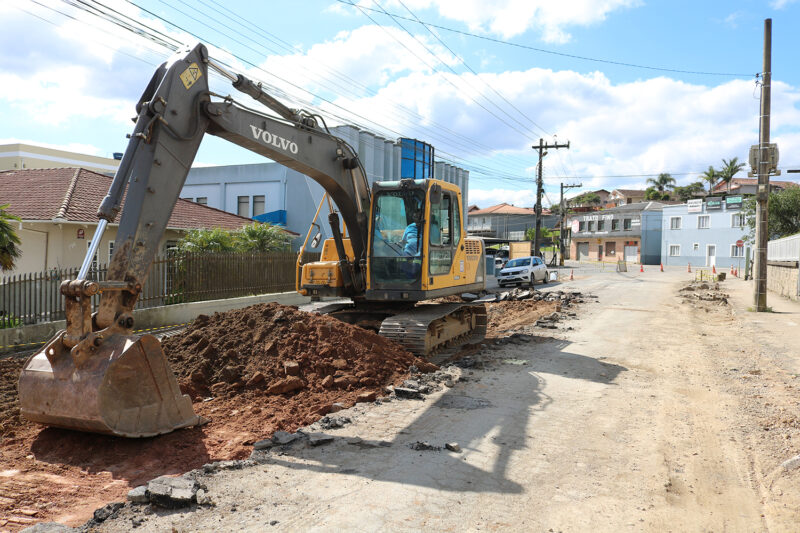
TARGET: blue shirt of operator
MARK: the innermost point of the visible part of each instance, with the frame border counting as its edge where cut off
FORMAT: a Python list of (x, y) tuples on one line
[(411, 238)]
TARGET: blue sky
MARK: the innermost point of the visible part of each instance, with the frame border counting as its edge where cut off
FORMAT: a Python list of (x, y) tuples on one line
[(70, 79)]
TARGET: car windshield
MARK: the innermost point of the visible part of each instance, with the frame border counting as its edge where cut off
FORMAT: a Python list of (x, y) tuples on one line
[(522, 262)]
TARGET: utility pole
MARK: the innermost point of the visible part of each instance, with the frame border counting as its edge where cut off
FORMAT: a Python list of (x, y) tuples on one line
[(762, 193), (539, 189), (562, 233)]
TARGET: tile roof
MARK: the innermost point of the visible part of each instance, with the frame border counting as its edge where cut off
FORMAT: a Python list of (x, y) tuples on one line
[(721, 186), (629, 192), (74, 194), (507, 209)]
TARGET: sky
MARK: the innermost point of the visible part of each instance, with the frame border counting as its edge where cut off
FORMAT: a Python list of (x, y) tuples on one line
[(637, 87)]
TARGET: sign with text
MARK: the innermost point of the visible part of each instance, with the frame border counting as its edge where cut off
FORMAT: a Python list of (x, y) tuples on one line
[(733, 201), (695, 206), (713, 203)]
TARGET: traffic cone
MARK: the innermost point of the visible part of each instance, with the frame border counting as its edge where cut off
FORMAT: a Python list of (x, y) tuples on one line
[(735, 272), (689, 267), (662, 267), (571, 277), (731, 270), (641, 267), (713, 269)]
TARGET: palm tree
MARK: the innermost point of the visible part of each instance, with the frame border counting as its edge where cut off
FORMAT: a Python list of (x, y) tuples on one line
[(663, 182), (711, 176), (729, 170), (262, 238), (207, 240), (9, 240)]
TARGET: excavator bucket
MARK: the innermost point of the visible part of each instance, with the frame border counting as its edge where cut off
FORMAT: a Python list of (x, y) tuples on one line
[(125, 388)]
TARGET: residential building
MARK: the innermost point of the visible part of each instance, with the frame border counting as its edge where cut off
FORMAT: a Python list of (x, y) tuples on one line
[(625, 196), (58, 208), (704, 232), (602, 194), (630, 232), (271, 192), (747, 186), (505, 221), (27, 156)]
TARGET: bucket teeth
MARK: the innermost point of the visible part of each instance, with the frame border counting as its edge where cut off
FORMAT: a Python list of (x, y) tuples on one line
[(126, 389)]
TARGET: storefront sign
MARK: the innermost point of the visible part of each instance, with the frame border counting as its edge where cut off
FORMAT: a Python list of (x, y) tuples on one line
[(713, 203), (575, 226), (733, 202), (81, 234), (695, 206)]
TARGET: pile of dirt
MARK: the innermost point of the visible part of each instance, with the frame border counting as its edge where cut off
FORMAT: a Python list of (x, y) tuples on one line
[(251, 372), (276, 349), (511, 315), (9, 404)]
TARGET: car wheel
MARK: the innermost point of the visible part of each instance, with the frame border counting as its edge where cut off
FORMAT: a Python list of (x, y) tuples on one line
[(546, 276)]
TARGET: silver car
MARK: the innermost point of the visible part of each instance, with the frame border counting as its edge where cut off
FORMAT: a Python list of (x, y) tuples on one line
[(523, 270)]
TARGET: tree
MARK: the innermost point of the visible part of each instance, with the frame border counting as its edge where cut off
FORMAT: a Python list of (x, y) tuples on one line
[(9, 240), (711, 176), (729, 170), (586, 198), (655, 195), (207, 240), (783, 214), (256, 237), (663, 182), (262, 238), (687, 192)]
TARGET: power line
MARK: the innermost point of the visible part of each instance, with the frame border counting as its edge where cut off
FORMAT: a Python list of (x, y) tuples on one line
[(562, 54)]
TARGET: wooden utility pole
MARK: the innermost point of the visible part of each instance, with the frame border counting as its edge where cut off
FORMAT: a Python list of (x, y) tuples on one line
[(762, 193), (539, 189), (563, 231)]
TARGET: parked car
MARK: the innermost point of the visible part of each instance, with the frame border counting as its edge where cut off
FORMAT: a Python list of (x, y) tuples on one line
[(523, 270), (499, 263)]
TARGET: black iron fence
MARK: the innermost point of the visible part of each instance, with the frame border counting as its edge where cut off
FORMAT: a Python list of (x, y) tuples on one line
[(177, 278)]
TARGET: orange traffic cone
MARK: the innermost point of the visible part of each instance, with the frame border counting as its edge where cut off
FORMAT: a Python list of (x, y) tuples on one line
[(571, 277), (736, 272), (662, 267), (713, 269), (641, 267), (689, 267), (731, 270)]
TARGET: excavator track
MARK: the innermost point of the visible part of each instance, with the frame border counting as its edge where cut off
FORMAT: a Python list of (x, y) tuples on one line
[(430, 328)]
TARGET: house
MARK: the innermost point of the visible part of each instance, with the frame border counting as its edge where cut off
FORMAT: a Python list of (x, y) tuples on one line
[(58, 208), (630, 232), (26, 156), (271, 192), (505, 221), (704, 232), (626, 196), (747, 186)]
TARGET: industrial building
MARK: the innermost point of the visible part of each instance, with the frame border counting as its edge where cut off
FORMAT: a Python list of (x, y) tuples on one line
[(271, 192)]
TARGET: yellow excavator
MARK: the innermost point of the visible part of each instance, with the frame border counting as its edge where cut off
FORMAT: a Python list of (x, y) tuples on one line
[(396, 245)]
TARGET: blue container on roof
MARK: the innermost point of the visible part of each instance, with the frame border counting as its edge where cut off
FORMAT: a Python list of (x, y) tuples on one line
[(416, 159)]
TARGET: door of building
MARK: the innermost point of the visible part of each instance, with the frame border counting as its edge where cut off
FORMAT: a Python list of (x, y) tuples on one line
[(583, 251), (711, 255), (631, 253)]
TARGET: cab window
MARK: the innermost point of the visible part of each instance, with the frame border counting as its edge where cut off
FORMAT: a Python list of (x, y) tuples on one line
[(440, 233)]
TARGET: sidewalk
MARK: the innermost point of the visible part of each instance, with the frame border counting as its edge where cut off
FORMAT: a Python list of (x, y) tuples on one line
[(778, 332)]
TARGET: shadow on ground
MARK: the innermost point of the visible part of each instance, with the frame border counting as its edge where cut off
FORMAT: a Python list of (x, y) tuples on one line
[(487, 414)]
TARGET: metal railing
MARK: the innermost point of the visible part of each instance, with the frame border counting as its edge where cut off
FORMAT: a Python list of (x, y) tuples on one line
[(35, 297)]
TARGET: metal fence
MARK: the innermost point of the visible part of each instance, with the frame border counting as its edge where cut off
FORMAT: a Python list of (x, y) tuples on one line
[(785, 249), (178, 278)]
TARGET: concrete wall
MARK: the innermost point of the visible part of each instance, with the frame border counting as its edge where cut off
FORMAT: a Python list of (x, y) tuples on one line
[(783, 277), (155, 317)]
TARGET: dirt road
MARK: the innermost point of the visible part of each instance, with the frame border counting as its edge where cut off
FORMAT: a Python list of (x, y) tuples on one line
[(651, 415)]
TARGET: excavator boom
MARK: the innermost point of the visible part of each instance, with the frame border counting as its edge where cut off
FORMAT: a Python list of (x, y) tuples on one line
[(96, 375)]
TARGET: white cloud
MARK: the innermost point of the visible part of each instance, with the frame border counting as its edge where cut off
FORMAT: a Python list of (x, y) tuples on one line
[(488, 197), (509, 18), (780, 4)]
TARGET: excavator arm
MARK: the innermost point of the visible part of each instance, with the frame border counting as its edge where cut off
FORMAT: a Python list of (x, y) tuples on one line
[(96, 375)]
